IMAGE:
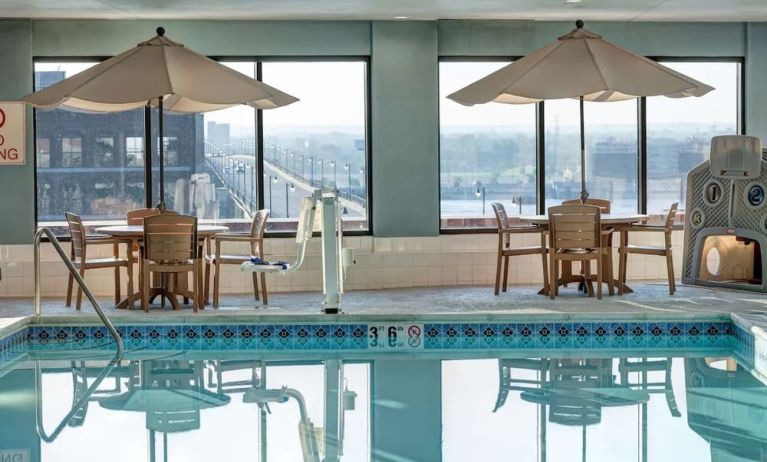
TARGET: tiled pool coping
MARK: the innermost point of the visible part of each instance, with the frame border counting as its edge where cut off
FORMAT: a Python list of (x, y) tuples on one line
[(377, 333)]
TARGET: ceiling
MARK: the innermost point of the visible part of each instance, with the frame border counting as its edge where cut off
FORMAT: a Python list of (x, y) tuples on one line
[(542, 10)]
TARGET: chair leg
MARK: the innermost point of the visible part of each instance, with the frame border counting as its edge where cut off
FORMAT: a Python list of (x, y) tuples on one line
[(145, 286), (216, 278), (263, 289), (129, 269), (255, 285), (117, 286), (553, 278), (498, 268), (670, 269), (608, 259), (505, 273), (599, 277), (207, 281), (70, 284), (79, 302), (544, 255), (196, 286)]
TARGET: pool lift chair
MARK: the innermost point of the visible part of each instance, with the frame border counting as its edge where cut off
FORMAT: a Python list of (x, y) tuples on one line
[(319, 212)]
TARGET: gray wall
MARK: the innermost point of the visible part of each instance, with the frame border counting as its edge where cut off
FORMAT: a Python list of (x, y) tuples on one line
[(404, 55)]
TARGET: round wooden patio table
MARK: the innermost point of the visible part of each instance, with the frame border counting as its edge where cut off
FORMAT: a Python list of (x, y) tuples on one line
[(133, 234), (608, 219)]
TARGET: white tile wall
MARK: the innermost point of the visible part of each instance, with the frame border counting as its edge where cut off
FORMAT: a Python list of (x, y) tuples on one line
[(446, 260)]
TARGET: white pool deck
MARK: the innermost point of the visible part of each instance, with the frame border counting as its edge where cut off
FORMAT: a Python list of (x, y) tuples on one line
[(649, 301)]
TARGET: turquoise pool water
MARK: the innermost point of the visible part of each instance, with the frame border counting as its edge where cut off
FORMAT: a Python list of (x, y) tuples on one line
[(612, 400)]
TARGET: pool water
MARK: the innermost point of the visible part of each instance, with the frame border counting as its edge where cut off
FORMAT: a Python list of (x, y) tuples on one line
[(558, 405)]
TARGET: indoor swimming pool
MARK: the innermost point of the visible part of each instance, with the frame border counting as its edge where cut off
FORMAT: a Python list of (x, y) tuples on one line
[(691, 392)]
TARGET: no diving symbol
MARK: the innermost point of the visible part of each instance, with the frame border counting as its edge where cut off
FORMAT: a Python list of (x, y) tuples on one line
[(2, 118), (414, 336)]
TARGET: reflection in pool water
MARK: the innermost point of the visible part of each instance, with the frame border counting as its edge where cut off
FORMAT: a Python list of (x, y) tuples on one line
[(171, 408)]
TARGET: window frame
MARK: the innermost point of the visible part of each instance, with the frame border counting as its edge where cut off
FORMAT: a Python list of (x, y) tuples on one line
[(150, 177), (541, 131)]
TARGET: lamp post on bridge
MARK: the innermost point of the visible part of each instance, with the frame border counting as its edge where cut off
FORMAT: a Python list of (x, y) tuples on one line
[(322, 169), (348, 168), (335, 174), (480, 192), (311, 168), (272, 179), (289, 186)]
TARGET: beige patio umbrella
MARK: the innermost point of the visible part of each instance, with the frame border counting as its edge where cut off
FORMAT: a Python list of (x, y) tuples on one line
[(163, 74), (579, 65)]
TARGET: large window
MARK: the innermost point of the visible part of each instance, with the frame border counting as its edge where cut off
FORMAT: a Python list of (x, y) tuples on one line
[(318, 142), (81, 157), (487, 152), (611, 152), (94, 164), (679, 131)]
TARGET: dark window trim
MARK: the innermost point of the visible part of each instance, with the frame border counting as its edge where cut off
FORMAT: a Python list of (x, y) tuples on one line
[(641, 131), (258, 60)]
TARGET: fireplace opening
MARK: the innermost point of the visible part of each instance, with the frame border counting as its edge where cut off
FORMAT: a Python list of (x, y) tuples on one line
[(731, 259)]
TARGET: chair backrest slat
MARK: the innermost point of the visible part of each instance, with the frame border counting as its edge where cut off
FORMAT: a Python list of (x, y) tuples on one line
[(77, 234), (603, 204), (170, 238), (671, 215), (136, 217), (575, 227)]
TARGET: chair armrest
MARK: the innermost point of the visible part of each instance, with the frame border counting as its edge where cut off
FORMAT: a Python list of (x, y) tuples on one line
[(234, 237), (642, 228), (99, 239), (607, 231), (521, 230)]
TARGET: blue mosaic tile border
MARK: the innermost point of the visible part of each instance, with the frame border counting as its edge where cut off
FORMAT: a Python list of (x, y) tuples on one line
[(577, 335), (426, 336), (13, 345)]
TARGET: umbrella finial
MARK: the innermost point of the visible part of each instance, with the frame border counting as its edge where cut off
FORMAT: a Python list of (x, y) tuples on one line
[(578, 24), (161, 31)]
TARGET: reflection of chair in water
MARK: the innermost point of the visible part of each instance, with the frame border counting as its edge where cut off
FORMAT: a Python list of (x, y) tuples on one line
[(568, 406), (508, 382), (644, 366), (80, 375)]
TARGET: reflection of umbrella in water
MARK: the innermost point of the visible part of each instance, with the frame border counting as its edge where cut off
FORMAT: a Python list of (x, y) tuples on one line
[(161, 73), (164, 400), (579, 65)]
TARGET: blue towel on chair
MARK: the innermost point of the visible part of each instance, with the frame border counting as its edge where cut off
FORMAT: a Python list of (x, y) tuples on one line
[(259, 261)]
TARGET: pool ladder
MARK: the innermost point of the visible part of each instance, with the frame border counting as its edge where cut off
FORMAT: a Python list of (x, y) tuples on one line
[(80, 282)]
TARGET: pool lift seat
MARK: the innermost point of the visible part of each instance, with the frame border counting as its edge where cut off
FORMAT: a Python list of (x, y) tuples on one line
[(319, 212)]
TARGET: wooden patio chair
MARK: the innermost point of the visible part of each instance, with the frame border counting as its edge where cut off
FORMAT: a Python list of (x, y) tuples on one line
[(170, 248), (136, 217), (659, 250), (505, 250), (576, 234), (255, 238), (79, 255)]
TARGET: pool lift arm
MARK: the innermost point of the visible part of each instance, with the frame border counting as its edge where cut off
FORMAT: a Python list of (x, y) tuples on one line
[(335, 259), (306, 430)]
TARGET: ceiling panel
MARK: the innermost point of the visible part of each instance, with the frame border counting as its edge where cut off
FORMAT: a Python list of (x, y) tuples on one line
[(554, 10)]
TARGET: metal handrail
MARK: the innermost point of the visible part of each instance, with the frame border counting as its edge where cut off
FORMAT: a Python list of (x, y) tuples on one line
[(80, 282), (76, 406)]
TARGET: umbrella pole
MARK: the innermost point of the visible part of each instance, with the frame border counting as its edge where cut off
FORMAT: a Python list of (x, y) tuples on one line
[(161, 202), (584, 193)]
